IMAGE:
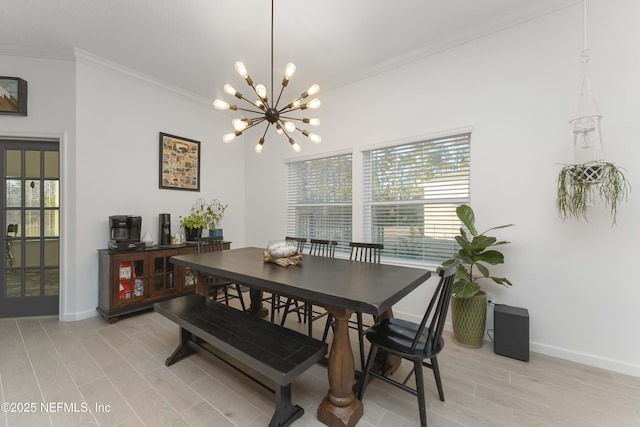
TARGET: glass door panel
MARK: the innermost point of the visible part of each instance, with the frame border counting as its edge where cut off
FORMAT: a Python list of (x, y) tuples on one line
[(31, 224)]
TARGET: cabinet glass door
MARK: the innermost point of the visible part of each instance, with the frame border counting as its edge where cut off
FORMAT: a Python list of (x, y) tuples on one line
[(131, 279), (163, 274)]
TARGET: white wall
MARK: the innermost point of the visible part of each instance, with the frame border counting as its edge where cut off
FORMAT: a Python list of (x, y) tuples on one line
[(109, 121), (517, 89), (51, 115), (119, 120)]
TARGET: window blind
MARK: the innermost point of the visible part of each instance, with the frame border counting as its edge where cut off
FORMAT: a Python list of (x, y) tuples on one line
[(319, 199), (411, 192)]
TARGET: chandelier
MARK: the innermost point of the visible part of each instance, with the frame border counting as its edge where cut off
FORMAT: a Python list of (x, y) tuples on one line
[(265, 109)]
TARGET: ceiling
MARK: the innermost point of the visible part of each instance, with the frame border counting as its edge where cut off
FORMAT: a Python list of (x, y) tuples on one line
[(192, 45)]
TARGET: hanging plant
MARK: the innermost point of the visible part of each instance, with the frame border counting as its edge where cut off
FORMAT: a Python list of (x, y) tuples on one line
[(578, 186)]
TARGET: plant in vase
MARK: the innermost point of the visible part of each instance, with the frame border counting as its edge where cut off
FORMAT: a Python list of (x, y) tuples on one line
[(195, 221), (213, 215), (469, 301)]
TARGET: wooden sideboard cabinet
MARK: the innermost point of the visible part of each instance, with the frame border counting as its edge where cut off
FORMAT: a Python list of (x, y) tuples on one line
[(131, 281)]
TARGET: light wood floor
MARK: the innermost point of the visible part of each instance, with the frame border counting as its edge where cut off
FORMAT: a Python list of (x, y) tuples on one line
[(115, 376)]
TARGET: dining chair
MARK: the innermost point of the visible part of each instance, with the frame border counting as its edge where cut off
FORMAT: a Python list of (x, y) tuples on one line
[(319, 247), (413, 342), (274, 299), (364, 252), (211, 244)]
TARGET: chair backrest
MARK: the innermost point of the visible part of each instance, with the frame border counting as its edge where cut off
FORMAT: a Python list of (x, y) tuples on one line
[(12, 228), (209, 244), (326, 248), (439, 304), (299, 241), (367, 252)]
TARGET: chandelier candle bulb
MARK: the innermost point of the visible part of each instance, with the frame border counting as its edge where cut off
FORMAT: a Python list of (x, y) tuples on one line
[(313, 104), (261, 90), (227, 138), (313, 90), (312, 122), (219, 104), (289, 126), (259, 146)]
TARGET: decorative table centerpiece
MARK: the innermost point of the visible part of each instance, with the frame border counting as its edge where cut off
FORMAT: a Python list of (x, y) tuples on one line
[(282, 253)]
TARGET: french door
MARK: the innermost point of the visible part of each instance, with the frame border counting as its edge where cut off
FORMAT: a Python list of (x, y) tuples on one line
[(30, 224)]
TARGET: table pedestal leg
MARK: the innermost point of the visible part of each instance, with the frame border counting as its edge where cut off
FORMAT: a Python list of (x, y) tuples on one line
[(257, 308), (340, 408)]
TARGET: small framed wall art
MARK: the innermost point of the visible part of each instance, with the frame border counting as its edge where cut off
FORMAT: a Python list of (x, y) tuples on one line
[(179, 163), (13, 96)]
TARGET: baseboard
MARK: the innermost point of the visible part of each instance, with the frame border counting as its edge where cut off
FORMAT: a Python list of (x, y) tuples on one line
[(70, 317), (587, 359), (561, 353)]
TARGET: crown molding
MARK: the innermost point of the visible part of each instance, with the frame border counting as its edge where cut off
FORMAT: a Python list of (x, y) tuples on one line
[(86, 58), (47, 52), (435, 48), (83, 57)]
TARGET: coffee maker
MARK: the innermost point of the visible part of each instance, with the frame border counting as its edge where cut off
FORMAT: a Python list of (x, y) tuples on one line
[(165, 229), (125, 232)]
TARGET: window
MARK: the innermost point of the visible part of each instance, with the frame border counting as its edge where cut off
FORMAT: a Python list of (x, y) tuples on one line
[(411, 192), (319, 199)]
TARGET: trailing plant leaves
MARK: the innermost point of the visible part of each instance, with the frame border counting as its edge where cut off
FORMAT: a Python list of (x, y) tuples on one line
[(575, 193)]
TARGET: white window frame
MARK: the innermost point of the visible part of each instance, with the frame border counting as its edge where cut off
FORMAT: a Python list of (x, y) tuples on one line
[(414, 245), (312, 226)]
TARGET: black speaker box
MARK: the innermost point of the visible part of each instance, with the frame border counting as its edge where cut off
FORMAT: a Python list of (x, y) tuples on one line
[(511, 331)]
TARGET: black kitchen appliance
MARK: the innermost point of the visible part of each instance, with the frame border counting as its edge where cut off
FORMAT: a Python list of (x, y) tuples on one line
[(165, 229), (125, 232)]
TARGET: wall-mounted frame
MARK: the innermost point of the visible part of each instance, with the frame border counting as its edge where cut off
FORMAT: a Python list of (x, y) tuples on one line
[(179, 163), (13, 96)]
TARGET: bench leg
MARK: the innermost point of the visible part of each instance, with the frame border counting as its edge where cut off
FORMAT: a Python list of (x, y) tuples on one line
[(183, 349), (286, 412)]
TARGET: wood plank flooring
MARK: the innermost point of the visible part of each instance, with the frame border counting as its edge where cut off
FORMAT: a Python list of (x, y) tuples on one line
[(92, 373)]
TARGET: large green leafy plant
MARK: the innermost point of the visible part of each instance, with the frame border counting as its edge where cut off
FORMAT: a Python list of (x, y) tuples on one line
[(474, 255)]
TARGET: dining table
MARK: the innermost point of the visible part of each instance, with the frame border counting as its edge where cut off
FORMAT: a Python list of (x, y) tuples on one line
[(340, 286)]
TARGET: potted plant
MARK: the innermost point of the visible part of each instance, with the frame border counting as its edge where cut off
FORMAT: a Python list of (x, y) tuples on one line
[(469, 301), (213, 215), (195, 221), (578, 185)]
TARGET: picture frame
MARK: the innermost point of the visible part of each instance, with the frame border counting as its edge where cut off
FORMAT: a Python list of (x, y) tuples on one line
[(179, 163), (13, 96)]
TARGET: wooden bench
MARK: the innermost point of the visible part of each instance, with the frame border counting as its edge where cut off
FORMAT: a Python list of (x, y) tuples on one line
[(275, 352)]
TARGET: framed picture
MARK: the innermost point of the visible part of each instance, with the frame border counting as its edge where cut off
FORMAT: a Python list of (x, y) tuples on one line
[(13, 96), (179, 163)]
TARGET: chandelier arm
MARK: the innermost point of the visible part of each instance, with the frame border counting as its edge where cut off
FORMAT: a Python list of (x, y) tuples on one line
[(245, 99), (279, 96), (258, 121), (300, 119), (287, 109), (250, 111), (265, 130)]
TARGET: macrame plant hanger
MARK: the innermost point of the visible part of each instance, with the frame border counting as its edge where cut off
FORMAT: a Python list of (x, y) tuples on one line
[(586, 138)]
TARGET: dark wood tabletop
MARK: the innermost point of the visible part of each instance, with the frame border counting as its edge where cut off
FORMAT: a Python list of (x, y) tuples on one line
[(353, 285), (339, 285)]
